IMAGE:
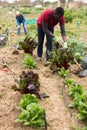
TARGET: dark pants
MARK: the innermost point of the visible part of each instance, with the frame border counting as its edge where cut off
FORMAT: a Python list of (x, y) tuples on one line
[(41, 35)]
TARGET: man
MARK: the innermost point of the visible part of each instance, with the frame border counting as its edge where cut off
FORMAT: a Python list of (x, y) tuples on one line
[(20, 20), (45, 23)]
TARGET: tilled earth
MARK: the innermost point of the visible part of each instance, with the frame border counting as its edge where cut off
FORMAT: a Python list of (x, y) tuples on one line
[(57, 114)]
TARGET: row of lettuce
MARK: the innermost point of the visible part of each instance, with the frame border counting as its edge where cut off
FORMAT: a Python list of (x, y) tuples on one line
[(31, 112)]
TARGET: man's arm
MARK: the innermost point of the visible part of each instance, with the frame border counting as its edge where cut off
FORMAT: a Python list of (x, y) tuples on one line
[(17, 21), (63, 32), (45, 29)]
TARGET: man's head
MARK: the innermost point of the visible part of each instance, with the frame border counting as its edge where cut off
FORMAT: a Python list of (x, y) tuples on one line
[(58, 12), (17, 13)]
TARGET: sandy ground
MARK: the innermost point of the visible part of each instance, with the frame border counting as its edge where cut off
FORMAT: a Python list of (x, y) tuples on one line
[(57, 114)]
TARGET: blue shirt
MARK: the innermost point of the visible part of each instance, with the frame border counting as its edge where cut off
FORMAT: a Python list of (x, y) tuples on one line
[(20, 19)]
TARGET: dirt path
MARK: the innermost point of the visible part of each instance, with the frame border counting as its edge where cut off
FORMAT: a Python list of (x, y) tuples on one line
[(58, 116)]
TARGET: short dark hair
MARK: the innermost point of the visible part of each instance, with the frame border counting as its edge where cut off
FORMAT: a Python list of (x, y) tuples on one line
[(59, 10)]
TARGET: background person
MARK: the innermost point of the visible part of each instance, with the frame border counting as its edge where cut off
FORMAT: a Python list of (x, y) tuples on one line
[(45, 25), (20, 20)]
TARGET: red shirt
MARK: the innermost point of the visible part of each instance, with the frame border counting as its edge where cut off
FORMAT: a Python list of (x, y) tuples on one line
[(47, 17)]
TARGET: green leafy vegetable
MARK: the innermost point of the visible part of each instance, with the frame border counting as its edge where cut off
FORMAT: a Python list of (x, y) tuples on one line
[(27, 99), (69, 82), (29, 61), (63, 72), (31, 112)]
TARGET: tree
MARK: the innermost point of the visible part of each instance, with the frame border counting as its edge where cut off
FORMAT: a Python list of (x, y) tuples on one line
[(67, 3), (62, 1), (70, 0), (25, 2), (58, 2)]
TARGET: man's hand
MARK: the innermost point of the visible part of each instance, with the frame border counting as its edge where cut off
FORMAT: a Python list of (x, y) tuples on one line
[(64, 38), (18, 26), (51, 34), (65, 42)]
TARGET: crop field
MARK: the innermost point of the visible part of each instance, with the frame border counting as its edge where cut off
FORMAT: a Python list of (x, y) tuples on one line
[(36, 96)]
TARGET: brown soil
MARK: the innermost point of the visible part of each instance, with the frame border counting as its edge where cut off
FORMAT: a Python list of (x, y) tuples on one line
[(57, 114)]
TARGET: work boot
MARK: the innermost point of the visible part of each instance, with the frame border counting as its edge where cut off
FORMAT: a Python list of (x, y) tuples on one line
[(47, 63), (39, 59)]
